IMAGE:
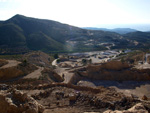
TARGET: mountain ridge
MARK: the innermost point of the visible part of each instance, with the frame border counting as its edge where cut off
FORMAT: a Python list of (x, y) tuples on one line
[(117, 30), (21, 34)]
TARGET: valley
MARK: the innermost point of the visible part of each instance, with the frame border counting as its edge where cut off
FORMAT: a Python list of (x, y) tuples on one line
[(50, 67)]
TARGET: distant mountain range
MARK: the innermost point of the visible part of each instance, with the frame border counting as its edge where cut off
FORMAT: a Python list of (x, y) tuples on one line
[(117, 30), (21, 34)]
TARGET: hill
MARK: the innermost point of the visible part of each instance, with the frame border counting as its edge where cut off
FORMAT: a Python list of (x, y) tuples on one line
[(21, 34), (116, 30), (142, 39)]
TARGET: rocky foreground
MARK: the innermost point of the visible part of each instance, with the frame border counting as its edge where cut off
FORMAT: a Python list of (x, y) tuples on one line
[(66, 98)]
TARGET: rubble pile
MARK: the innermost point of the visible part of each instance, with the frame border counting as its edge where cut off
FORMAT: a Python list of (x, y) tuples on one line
[(14, 101), (57, 97), (138, 108)]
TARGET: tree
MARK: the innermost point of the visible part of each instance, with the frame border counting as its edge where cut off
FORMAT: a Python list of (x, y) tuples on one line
[(84, 61), (24, 62), (56, 56)]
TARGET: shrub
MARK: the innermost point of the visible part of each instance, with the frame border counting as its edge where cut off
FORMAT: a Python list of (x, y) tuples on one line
[(56, 56)]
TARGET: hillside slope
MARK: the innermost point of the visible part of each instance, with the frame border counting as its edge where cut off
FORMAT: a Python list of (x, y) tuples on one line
[(20, 34), (142, 39)]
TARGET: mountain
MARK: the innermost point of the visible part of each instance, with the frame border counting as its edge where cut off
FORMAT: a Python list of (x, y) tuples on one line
[(116, 30), (21, 34), (142, 39)]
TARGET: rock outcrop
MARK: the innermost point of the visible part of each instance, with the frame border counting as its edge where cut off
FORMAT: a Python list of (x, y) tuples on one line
[(15, 101), (138, 108)]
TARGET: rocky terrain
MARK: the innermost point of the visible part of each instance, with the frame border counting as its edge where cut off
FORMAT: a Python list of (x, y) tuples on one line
[(111, 71), (66, 98), (14, 101), (71, 89), (38, 58)]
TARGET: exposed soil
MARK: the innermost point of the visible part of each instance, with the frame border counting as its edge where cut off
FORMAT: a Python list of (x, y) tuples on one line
[(67, 98), (3, 62), (11, 63), (35, 74)]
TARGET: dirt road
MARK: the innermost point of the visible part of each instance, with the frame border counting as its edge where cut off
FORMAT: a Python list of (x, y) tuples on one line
[(11, 63), (65, 72)]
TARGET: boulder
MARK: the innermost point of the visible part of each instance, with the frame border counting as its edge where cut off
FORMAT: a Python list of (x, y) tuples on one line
[(144, 98), (15, 101)]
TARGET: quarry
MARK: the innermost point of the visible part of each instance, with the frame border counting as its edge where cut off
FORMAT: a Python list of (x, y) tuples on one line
[(73, 83)]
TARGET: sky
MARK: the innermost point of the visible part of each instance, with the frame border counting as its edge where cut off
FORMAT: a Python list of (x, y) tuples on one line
[(81, 13)]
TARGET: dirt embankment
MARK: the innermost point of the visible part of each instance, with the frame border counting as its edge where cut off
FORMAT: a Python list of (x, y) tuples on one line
[(10, 63), (50, 75), (113, 71), (16, 71), (3, 62), (38, 58)]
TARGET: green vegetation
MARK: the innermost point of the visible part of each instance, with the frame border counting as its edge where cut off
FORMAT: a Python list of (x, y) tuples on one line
[(21, 34), (56, 56), (16, 57), (84, 61), (133, 57)]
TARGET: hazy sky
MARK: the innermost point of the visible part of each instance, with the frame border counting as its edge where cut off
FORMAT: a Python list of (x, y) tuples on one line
[(80, 12)]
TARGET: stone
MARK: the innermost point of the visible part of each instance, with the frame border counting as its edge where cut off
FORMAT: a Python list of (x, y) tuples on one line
[(144, 98), (138, 108), (15, 101)]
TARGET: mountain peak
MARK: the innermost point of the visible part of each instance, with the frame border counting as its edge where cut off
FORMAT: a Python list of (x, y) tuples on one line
[(17, 15)]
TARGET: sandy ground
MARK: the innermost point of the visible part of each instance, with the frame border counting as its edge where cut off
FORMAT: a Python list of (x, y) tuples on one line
[(65, 72), (11, 63), (143, 66), (138, 91), (67, 77), (35, 74), (64, 110), (127, 87)]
